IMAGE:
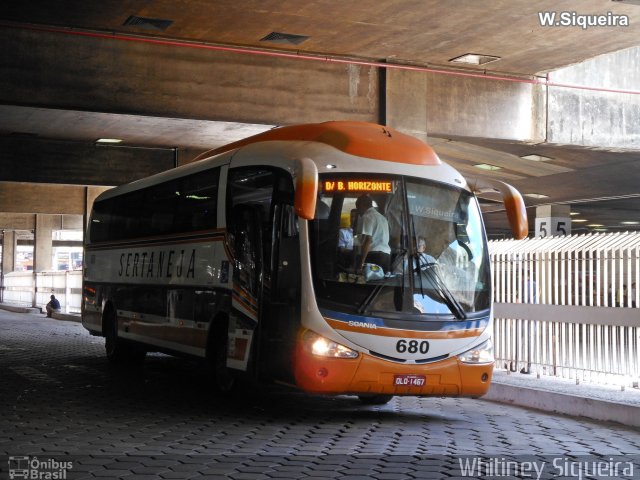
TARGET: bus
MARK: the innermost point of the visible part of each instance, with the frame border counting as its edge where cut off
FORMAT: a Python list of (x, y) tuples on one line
[(234, 259)]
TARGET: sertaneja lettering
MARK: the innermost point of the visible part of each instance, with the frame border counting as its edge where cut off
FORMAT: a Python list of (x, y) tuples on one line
[(168, 264), (151, 264)]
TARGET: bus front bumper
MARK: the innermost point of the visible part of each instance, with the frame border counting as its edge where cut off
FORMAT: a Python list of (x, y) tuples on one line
[(371, 375)]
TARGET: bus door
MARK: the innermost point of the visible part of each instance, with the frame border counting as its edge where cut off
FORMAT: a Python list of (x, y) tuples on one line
[(244, 230), (281, 320), (263, 226)]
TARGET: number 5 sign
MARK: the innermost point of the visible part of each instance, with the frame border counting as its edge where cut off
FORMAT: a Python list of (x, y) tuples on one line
[(552, 220)]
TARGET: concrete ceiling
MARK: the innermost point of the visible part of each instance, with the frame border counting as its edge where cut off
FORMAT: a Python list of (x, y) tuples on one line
[(600, 183)]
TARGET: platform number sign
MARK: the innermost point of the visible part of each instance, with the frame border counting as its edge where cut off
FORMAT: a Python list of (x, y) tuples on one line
[(553, 226)]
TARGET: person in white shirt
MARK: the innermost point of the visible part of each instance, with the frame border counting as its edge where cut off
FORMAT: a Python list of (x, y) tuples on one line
[(375, 233)]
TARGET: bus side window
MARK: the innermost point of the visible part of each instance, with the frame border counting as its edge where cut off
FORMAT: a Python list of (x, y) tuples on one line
[(100, 220), (163, 198), (197, 207)]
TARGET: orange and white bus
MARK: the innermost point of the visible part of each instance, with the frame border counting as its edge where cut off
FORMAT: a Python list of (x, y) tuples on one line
[(235, 258)]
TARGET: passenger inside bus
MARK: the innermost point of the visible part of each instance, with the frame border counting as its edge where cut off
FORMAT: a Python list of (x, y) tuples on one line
[(424, 259), (375, 235), (345, 240)]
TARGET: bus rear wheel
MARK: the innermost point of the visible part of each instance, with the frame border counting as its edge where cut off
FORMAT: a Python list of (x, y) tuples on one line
[(375, 399), (118, 350)]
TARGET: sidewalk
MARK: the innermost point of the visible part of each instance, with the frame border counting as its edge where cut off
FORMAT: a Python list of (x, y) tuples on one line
[(563, 396), (72, 317)]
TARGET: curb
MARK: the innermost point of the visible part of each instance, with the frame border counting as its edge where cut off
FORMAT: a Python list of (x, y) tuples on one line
[(562, 403), (19, 308), (69, 317)]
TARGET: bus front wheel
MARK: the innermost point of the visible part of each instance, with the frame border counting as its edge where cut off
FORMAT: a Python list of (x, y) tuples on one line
[(375, 399), (118, 350), (224, 381)]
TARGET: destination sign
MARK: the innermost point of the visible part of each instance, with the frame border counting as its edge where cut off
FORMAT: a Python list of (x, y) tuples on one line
[(357, 186)]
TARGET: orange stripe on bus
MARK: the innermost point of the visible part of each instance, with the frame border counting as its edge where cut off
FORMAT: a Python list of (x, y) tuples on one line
[(393, 332), (245, 305), (245, 295), (227, 251)]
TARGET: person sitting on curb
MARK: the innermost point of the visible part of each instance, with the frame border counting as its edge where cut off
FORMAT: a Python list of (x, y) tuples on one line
[(53, 306)]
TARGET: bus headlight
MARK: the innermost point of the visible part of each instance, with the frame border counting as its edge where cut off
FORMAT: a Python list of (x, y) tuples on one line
[(324, 347), (482, 353)]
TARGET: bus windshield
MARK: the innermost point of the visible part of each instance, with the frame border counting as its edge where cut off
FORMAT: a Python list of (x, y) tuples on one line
[(431, 263)]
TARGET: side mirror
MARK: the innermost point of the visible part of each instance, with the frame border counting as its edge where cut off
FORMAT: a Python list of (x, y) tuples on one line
[(514, 205), (306, 176)]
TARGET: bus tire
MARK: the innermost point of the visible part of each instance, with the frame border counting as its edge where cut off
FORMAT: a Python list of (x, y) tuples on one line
[(118, 350), (375, 399), (224, 380)]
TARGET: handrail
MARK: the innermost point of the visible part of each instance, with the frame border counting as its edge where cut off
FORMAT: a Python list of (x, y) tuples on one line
[(569, 306)]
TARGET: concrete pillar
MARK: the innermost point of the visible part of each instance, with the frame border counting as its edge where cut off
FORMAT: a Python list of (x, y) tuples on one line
[(552, 220), (8, 251), (43, 247), (406, 102)]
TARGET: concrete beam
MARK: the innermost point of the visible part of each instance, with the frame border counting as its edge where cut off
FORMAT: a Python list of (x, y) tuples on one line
[(48, 161), (70, 222), (127, 77), (164, 81), (597, 118), (27, 221), (17, 221), (473, 107), (46, 198)]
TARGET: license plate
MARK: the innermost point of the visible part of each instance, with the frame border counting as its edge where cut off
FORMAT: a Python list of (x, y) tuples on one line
[(409, 380)]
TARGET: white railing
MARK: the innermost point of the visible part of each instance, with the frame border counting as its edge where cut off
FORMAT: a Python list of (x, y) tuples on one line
[(31, 289), (568, 306)]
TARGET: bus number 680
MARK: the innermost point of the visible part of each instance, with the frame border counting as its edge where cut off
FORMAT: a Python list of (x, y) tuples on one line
[(412, 346)]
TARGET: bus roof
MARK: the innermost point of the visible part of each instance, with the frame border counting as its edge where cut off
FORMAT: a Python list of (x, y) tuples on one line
[(361, 139)]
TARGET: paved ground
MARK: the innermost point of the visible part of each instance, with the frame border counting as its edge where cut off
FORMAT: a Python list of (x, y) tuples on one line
[(61, 407)]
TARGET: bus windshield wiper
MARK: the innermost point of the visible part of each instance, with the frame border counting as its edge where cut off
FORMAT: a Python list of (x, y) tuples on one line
[(442, 290)]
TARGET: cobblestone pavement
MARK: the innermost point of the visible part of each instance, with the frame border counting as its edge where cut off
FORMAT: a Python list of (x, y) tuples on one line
[(64, 412)]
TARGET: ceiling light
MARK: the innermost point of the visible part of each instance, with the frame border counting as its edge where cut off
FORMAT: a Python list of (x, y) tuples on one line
[(574, 213), (595, 225), (629, 223), (474, 59), (285, 38), (486, 166), (109, 140), (535, 195), (579, 220), (536, 158), (147, 23)]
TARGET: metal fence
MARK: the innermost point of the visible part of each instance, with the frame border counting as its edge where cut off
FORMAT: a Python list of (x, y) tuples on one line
[(34, 289), (568, 306)]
